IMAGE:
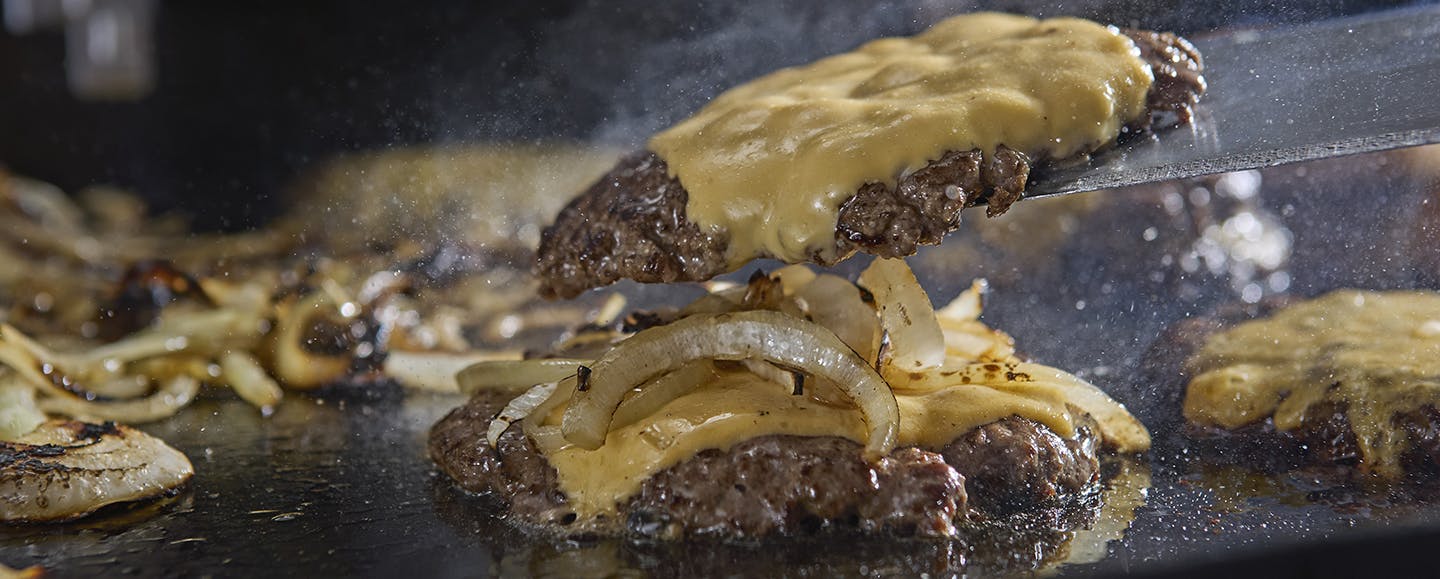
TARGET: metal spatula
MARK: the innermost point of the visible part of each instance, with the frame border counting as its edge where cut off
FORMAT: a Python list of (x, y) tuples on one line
[(1326, 89)]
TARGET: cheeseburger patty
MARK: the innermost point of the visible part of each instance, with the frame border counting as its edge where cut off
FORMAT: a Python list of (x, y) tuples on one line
[(632, 223), (790, 484), (1324, 438)]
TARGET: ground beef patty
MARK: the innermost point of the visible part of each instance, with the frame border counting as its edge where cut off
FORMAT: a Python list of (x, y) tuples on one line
[(632, 222), (788, 484), (1324, 439)]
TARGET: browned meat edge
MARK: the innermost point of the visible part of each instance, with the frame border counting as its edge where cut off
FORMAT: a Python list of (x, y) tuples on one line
[(1324, 439), (786, 485), (632, 223)]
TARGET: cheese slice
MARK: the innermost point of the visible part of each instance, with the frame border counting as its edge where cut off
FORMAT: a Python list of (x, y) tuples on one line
[(1374, 354), (770, 163), (738, 406)]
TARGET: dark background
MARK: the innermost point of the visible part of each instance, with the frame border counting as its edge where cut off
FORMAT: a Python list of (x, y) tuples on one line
[(248, 93)]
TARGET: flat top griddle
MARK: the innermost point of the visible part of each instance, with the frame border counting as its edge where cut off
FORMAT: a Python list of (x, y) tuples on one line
[(338, 482)]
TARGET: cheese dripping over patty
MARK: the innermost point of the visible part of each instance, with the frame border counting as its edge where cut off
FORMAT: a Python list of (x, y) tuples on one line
[(1372, 355), (770, 163)]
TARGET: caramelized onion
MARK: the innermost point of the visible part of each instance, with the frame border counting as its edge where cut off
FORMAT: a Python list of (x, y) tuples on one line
[(764, 335), (173, 395), (244, 374), (295, 366)]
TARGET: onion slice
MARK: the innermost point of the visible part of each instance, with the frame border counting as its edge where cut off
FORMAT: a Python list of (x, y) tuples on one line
[(655, 394), (965, 335), (439, 371), (917, 343), (835, 302), (518, 409), (294, 366), (173, 395), (1120, 428), (564, 391), (249, 380), (515, 375), (765, 335), (18, 413)]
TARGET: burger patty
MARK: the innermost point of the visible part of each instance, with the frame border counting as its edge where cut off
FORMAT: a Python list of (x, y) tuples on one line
[(789, 484), (632, 222), (1324, 438)]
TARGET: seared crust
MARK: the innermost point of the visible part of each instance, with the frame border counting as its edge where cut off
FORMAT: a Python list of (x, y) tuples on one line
[(787, 485), (632, 223), (629, 224), (1014, 464), (1178, 84)]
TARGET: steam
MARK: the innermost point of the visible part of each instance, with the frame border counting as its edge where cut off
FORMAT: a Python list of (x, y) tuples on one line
[(649, 68)]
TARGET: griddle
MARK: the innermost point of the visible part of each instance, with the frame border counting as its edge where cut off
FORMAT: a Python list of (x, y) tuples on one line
[(336, 483)]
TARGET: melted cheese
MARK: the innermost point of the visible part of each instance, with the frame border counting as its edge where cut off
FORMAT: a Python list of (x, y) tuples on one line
[(738, 406), (1374, 354), (770, 163)]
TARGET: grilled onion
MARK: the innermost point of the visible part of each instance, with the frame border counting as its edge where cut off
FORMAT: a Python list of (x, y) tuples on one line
[(18, 413), (439, 371), (656, 393), (765, 335), (916, 342), (295, 366), (835, 302), (514, 375), (965, 336), (1119, 428), (250, 381), (518, 409), (173, 395), (535, 426), (67, 469)]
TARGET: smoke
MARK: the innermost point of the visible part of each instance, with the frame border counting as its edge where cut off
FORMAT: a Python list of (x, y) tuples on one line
[(646, 66), (617, 71)]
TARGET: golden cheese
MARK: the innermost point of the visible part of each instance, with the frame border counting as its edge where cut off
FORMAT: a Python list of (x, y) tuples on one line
[(1374, 354), (770, 163), (739, 406)]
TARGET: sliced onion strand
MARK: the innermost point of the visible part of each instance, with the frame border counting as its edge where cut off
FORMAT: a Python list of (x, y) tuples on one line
[(766, 335), (519, 409)]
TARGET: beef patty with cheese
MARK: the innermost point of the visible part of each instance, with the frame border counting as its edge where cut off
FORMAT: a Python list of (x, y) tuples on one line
[(797, 402), (877, 150), (1350, 379)]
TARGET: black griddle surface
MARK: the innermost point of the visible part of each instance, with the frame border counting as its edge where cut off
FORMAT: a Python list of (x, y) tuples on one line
[(338, 483)]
